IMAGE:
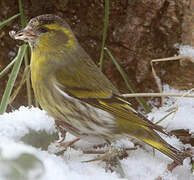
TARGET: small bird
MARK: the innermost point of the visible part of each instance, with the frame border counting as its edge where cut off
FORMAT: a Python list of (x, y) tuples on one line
[(74, 91)]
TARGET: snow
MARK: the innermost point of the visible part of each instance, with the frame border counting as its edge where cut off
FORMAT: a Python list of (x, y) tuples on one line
[(185, 50), (26, 119), (141, 164), (182, 118)]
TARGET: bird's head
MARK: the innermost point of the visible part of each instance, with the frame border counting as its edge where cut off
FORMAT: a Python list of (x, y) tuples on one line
[(46, 30)]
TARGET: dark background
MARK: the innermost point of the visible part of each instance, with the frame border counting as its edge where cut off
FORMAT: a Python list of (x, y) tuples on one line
[(138, 32)]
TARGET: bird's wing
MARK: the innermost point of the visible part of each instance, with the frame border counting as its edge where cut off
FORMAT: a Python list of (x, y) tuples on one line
[(84, 81)]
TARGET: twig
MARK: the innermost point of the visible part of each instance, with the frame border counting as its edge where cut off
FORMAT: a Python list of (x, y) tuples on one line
[(158, 95)]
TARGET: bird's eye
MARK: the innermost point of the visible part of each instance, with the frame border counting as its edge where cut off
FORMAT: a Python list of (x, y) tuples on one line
[(43, 29)]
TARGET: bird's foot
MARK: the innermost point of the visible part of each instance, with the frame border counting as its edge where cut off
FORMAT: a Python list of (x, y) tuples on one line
[(61, 130), (59, 147), (62, 134), (67, 144)]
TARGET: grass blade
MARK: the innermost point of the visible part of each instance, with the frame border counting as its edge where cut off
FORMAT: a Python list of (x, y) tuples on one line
[(6, 69), (158, 95), (26, 57), (163, 118), (12, 78), (23, 18), (23, 80), (106, 19), (5, 22), (129, 85)]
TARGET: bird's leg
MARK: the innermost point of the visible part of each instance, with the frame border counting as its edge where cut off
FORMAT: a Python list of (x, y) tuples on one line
[(62, 132), (61, 145), (69, 143), (59, 126)]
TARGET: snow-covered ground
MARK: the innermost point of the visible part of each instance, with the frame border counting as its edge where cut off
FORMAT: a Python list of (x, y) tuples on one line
[(24, 155)]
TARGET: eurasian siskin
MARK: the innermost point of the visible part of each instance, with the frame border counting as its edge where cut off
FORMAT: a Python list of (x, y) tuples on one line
[(73, 90)]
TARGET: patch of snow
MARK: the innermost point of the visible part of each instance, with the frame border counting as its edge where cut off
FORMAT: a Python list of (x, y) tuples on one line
[(142, 164)]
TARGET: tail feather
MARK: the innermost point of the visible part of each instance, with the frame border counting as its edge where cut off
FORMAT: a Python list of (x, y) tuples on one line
[(152, 138), (158, 143)]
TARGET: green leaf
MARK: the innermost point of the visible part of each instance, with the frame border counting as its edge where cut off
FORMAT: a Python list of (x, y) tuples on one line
[(5, 22), (23, 18), (12, 78), (106, 19)]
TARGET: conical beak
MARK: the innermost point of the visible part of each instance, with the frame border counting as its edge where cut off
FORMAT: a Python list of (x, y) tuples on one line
[(26, 34)]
